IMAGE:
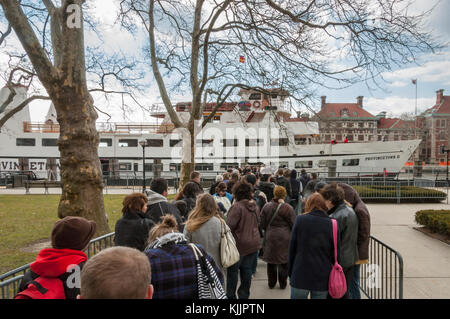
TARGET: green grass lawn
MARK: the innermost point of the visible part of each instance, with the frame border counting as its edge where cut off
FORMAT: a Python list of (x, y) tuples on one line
[(28, 219)]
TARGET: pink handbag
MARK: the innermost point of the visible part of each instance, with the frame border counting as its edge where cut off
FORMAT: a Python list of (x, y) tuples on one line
[(337, 285)]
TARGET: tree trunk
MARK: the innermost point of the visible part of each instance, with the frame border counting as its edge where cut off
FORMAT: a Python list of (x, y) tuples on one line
[(81, 173), (188, 156)]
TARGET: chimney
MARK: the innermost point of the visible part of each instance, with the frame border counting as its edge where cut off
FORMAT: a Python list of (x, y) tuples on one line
[(359, 100), (439, 96), (323, 98)]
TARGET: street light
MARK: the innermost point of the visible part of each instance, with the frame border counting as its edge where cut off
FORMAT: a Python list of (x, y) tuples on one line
[(144, 144)]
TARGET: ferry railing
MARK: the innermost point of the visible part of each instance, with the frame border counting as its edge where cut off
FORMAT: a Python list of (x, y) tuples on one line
[(10, 281)]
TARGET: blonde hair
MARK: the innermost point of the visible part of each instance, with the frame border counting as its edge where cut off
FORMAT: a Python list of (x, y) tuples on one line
[(167, 225), (103, 275), (205, 209)]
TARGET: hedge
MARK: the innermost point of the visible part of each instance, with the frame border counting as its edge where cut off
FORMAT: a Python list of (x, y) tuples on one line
[(438, 221), (388, 193)]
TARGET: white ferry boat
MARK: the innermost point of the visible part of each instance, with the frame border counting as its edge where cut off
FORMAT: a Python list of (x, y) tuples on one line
[(259, 129)]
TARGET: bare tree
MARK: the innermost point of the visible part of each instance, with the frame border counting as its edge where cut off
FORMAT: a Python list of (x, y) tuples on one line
[(299, 44), (61, 70)]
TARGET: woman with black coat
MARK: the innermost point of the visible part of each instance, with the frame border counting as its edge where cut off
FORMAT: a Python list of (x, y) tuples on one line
[(311, 251), (132, 229)]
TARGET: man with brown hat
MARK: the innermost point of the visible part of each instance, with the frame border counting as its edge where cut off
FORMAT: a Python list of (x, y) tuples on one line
[(56, 272)]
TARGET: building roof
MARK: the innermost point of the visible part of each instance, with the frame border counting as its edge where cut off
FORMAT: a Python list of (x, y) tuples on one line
[(338, 110), (440, 108), (394, 123)]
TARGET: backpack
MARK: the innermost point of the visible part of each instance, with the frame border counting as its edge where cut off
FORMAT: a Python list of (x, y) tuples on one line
[(43, 288)]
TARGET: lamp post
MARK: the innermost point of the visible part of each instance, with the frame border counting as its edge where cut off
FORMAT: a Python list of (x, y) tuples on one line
[(144, 144)]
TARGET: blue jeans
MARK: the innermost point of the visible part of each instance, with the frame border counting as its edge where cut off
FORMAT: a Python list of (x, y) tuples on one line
[(353, 289), (245, 267), (303, 294)]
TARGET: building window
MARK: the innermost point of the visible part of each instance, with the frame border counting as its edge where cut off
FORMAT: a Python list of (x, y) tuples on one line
[(350, 162), (155, 142), (349, 124), (255, 96), (49, 142), (304, 164), (25, 142), (360, 137), (344, 113), (128, 143), (442, 136), (361, 124), (105, 142)]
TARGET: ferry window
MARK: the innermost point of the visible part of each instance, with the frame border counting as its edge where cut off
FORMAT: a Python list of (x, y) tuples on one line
[(175, 166), (274, 96), (203, 142), (300, 141), (254, 142), (350, 162), (136, 167), (255, 96), (204, 167), (25, 142), (124, 166), (148, 167), (155, 142), (105, 142), (49, 142), (304, 164), (128, 143), (226, 166), (229, 142), (174, 143), (283, 164), (279, 142)]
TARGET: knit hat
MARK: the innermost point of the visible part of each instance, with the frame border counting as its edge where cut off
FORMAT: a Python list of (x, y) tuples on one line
[(73, 233), (279, 192)]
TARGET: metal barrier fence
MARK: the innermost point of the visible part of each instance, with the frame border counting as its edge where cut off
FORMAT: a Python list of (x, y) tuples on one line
[(382, 278), (10, 281)]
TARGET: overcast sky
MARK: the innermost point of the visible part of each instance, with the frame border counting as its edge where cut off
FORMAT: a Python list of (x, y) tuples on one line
[(398, 96)]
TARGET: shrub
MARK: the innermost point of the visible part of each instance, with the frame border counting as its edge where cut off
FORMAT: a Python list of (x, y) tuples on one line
[(388, 193), (438, 221)]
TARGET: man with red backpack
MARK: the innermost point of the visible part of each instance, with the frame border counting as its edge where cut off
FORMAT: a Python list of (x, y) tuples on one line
[(56, 272)]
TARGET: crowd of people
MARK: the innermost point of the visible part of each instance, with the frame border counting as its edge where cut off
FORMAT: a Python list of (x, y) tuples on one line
[(282, 217)]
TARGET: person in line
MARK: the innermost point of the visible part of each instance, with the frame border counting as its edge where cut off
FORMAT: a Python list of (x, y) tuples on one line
[(195, 178), (49, 273), (243, 219), (173, 263), (212, 189), (132, 228), (309, 188), (277, 235), (222, 197), (311, 251), (103, 275), (296, 187), (204, 227), (348, 229), (283, 181), (226, 177), (259, 196), (266, 186), (234, 179), (362, 212), (189, 193), (158, 206)]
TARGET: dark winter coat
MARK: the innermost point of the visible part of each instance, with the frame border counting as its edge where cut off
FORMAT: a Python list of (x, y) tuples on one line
[(362, 212), (278, 234), (348, 232), (158, 206), (304, 179), (267, 188), (283, 181), (243, 219), (311, 251), (132, 230)]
